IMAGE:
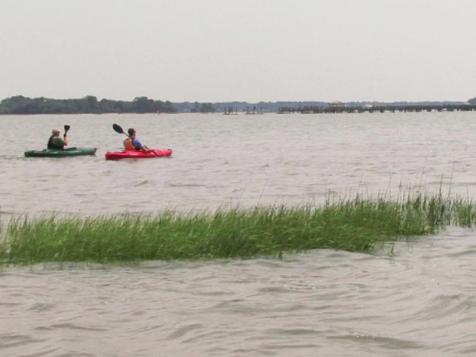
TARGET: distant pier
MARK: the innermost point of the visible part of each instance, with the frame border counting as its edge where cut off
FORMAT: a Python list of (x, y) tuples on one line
[(378, 108)]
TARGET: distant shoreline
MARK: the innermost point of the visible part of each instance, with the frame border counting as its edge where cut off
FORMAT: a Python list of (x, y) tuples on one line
[(20, 105)]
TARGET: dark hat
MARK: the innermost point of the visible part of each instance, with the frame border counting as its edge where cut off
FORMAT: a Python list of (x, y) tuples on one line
[(131, 131)]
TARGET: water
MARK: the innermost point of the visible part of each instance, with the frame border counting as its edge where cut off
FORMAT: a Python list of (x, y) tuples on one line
[(418, 301), (222, 161)]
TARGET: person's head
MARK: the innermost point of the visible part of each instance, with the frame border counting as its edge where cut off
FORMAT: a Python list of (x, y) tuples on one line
[(55, 132), (131, 132)]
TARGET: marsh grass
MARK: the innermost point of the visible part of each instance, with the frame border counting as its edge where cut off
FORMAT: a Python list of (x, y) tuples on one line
[(352, 225)]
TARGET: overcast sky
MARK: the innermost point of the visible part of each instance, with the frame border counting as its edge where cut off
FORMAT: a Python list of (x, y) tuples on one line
[(220, 50)]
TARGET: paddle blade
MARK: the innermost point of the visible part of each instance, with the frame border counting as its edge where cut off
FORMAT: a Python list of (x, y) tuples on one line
[(117, 129), (66, 128)]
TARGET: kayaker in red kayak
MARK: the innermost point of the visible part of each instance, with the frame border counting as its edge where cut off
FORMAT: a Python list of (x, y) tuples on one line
[(55, 142), (131, 143)]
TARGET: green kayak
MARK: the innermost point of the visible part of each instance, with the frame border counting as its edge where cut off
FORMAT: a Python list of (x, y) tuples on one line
[(61, 153)]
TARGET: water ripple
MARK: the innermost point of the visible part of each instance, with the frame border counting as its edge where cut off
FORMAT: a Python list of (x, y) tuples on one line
[(420, 300)]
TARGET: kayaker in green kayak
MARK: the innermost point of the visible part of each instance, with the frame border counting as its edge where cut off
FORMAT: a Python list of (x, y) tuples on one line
[(56, 142)]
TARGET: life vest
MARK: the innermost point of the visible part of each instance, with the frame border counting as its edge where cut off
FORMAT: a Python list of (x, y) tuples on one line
[(55, 144), (128, 144)]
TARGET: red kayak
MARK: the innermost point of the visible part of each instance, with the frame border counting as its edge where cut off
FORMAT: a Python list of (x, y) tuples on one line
[(137, 154)]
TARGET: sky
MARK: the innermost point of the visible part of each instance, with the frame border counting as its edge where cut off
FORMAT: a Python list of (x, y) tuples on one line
[(250, 50)]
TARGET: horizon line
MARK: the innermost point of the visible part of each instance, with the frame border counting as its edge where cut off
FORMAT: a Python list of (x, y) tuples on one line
[(246, 101)]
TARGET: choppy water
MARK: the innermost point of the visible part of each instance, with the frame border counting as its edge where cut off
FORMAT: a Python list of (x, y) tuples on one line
[(418, 301)]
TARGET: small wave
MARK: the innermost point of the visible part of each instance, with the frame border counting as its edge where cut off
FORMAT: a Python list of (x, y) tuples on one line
[(71, 326), (186, 185), (41, 307), (142, 183), (12, 340), (445, 306), (184, 330), (382, 341)]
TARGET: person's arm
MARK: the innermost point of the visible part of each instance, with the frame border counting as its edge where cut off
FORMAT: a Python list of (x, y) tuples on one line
[(65, 139), (143, 147), (138, 145)]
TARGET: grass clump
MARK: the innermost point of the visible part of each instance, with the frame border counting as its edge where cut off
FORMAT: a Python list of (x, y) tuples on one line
[(353, 225)]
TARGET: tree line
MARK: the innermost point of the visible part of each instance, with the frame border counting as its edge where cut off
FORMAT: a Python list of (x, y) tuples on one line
[(89, 104)]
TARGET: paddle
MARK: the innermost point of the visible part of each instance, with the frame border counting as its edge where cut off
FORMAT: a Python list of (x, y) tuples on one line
[(66, 128), (118, 129)]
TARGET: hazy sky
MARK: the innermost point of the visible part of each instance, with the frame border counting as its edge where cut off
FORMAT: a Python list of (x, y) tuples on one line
[(219, 50)]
